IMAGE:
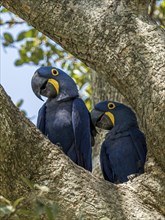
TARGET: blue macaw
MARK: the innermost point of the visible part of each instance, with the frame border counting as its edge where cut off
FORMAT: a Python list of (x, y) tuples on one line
[(64, 118), (123, 152)]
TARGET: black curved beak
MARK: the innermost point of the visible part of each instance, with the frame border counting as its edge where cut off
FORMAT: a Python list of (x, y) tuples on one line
[(95, 116), (37, 83), (101, 120), (45, 87)]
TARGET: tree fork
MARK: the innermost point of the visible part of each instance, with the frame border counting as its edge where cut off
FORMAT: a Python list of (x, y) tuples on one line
[(120, 42), (24, 151)]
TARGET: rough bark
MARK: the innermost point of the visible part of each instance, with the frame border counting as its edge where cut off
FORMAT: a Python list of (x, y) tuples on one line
[(25, 152), (127, 50), (119, 41)]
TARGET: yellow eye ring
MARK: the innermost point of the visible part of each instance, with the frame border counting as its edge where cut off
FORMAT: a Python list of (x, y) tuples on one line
[(54, 72), (111, 105)]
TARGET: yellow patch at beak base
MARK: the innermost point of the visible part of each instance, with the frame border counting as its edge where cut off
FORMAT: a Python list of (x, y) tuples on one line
[(55, 84), (111, 116)]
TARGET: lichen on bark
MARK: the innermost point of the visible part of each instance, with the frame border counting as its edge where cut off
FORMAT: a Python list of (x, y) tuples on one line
[(126, 49)]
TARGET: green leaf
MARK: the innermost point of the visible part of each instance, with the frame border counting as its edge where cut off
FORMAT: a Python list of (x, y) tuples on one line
[(18, 201), (4, 10), (5, 44), (18, 62), (27, 182), (31, 33), (37, 55), (8, 37), (21, 36), (19, 103), (29, 45), (63, 64), (27, 34), (22, 53), (163, 4), (88, 104)]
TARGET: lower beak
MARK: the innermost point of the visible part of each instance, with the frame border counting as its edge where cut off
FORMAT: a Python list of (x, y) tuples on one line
[(102, 120)]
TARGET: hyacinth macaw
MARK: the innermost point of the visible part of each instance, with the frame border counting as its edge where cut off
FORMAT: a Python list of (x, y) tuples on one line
[(123, 152), (64, 118)]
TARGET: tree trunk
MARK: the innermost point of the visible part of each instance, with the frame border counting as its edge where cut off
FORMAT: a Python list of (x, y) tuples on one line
[(25, 152), (120, 42), (126, 49)]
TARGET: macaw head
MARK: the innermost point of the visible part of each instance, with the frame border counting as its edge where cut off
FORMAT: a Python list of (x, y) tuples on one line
[(109, 114), (53, 83)]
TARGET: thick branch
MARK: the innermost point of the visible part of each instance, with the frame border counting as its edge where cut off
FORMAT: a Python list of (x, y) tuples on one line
[(25, 152), (117, 39)]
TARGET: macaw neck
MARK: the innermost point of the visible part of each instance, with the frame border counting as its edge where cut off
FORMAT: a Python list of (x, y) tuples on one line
[(67, 90), (121, 128), (67, 95), (62, 99)]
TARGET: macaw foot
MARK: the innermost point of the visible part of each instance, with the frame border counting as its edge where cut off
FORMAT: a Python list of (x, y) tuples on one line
[(132, 176)]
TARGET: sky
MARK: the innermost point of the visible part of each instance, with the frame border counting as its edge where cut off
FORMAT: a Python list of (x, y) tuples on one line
[(17, 80)]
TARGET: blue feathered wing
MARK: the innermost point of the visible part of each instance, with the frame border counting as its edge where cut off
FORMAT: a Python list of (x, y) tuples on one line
[(123, 155), (82, 134), (139, 141), (41, 119)]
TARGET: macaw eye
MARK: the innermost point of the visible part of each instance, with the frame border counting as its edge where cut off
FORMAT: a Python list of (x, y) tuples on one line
[(54, 72), (111, 105)]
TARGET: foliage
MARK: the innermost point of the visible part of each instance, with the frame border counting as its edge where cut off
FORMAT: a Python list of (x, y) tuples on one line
[(18, 210), (34, 48), (160, 13), (157, 12), (36, 205)]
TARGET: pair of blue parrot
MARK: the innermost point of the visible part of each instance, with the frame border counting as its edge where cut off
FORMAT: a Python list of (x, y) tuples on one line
[(65, 120)]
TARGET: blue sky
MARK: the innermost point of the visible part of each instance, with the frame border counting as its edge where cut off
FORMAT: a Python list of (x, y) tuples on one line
[(17, 80)]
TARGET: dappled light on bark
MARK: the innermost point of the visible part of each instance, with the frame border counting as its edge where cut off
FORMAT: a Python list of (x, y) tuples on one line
[(126, 49)]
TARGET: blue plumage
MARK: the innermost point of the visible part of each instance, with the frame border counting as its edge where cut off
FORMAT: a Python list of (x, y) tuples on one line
[(64, 118), (123, 151)]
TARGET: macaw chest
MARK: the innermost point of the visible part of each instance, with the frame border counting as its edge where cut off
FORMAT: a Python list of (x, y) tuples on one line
[(58, 126), (121, 146), (59, 116)]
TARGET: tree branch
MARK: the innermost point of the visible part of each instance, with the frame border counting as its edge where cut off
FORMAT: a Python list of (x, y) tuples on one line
[(119, 41), (26, 152), (12, 23), (126, 48)]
